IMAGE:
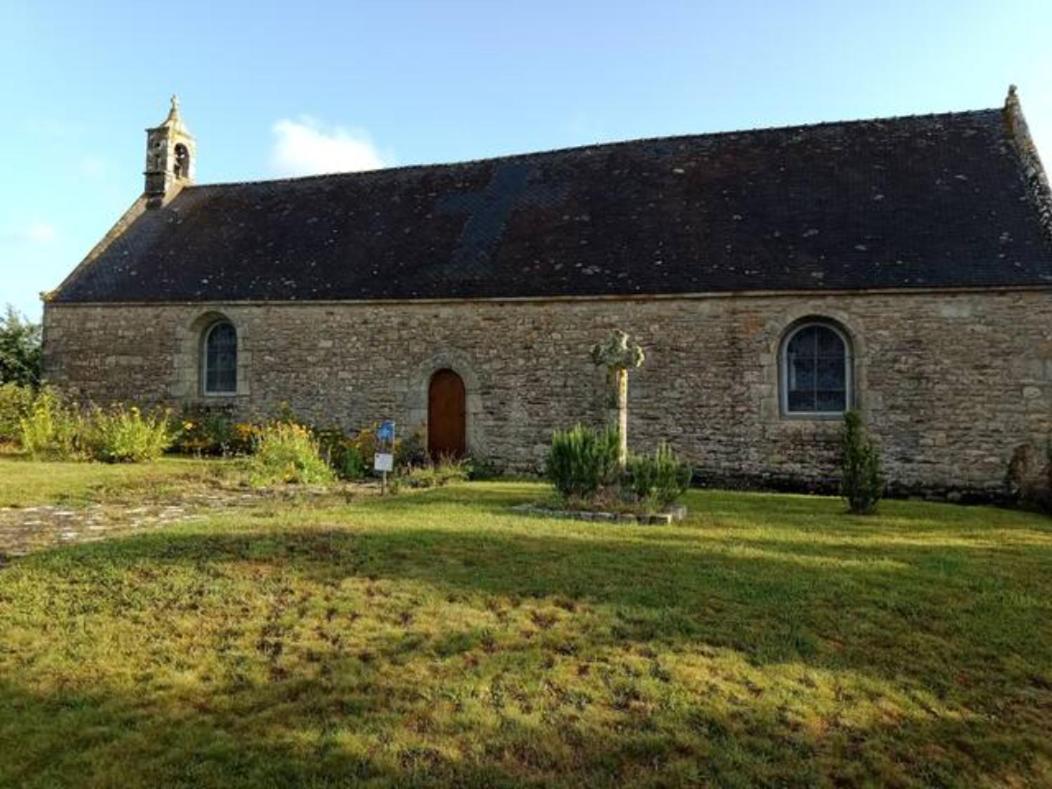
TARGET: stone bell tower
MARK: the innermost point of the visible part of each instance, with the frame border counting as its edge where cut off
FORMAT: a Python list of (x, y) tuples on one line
[(171, 156)]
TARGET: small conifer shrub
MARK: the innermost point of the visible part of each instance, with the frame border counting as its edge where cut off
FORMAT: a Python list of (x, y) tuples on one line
[(661, 478), (862, 484), (582, 460)]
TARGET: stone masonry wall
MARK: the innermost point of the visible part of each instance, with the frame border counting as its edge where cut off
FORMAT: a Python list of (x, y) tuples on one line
[(950, 383)]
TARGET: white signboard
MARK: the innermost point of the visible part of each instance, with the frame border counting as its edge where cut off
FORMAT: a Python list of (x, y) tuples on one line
[(383, 461)]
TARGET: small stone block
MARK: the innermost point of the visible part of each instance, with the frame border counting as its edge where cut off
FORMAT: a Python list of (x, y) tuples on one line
[(661, 518)]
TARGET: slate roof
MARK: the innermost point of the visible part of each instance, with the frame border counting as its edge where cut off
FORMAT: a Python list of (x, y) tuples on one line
[(924, 201)]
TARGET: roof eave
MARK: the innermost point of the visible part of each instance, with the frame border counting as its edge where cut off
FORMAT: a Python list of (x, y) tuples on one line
[(135, 210)]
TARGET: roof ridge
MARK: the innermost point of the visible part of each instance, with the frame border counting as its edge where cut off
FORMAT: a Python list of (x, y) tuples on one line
[(597, 145)]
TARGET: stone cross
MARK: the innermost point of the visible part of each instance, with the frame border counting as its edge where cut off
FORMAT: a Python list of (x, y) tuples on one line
[(618, 354)]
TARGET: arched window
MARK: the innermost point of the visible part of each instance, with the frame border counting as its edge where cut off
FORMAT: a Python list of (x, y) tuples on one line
[(220, 359), (816, 370), (182, 162)]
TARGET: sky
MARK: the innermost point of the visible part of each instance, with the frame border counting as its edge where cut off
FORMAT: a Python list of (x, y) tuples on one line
[(279, 89)]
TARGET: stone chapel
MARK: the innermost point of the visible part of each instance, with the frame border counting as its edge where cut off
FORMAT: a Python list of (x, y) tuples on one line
[(776, 277)]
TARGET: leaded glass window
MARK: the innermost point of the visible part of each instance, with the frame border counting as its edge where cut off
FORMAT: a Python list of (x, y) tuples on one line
[(816, 371), (220, 362)]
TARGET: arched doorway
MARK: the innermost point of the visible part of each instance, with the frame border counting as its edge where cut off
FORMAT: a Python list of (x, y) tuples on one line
[(446, 409)]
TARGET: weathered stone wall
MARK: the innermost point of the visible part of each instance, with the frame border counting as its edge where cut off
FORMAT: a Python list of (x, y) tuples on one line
[(950, 383)]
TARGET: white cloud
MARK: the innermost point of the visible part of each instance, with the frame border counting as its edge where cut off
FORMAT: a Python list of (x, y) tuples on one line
[(307, 147), (32, 233), (40, 232), (92, 166)]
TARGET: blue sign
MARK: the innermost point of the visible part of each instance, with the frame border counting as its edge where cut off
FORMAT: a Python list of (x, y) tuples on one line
[(386, 431)]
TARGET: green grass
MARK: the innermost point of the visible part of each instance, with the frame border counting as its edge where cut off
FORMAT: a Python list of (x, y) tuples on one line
[(438, 638), (24, 482)]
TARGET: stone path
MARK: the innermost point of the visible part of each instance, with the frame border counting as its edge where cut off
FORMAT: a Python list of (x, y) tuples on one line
[(25, 529)]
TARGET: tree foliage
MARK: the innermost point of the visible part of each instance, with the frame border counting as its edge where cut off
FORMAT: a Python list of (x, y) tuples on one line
[(20, 353)]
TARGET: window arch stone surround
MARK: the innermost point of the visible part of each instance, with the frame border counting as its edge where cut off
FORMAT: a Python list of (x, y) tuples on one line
[(188, 384), (779, 326)]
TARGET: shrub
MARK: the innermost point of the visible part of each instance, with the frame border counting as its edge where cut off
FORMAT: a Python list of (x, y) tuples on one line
[(1029, 478), (244, 436), (483, 469), (351, 457), (436, 475), (862, 484), (451, 469), (419, 477), (582, 460), (288, 453), (212, 431), (126, 435), (346, 455), (16, 401), (51, 429), (660, 479), (347, 460), (412, 450), (57, 430)]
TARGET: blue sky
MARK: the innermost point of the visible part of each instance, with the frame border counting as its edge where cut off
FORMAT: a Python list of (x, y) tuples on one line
[(286, 88)]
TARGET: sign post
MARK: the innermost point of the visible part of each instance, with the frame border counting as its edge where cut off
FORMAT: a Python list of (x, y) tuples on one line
[(383, 460)]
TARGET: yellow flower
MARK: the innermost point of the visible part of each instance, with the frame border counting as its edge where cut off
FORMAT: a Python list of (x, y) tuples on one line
[(188, 425)]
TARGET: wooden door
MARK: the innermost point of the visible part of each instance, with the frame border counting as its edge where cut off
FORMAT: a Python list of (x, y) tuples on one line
[(446, 409)]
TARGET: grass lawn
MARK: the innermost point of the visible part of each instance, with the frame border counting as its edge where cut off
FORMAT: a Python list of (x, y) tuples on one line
[(439, 638), (24, 483)]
